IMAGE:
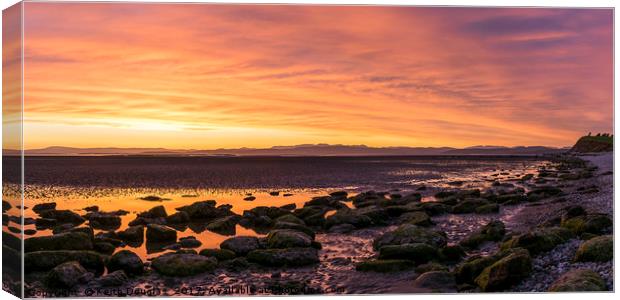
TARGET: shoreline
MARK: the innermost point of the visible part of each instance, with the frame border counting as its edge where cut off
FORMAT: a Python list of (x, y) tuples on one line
[(341, 256)]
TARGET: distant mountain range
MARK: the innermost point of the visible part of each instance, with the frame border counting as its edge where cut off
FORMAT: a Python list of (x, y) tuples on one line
[(298, 150)]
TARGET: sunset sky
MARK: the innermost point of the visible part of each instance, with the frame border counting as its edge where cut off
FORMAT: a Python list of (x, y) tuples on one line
[(228, 76)]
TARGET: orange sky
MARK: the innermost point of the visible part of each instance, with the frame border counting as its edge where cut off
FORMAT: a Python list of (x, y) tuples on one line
[(224, 76)]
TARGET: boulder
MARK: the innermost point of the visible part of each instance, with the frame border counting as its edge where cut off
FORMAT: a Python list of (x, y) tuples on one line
[(189, 242), (488, 208), (593, 223), (384, 265), (38, 208), (539, 240), (579, 280), (160, 233), (61, 241), (598, 249), (286, 238), (418, 218), (66, 275), (290, 218), (106, 221), (179, 217), (155, 212), (134, 234), (126, 261), (419, 253), (347, 216), (62, 216), (411, 234), (468, 205), (294, 226), (434, 208), (225, 225), (205, 210), (183, 264), (240, 245), (104, 248), (505, 272), (47, 260), (342, 228), (219, 254), (291, 257), (116, 278), (436, 282), (493, 231)]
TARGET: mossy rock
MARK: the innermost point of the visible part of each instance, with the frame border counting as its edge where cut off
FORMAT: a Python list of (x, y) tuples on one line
[(418, 218), (467, 271), (430, 266), (505, 272), (219, 254), (492, 231), (411, 234), (436, 282), (384, 266), (289, 218), (286, 238), (347, 216), (419, 253), (598, 249), (469, 205), (183, 264), (580, 280), (539, 240), (488, 208)]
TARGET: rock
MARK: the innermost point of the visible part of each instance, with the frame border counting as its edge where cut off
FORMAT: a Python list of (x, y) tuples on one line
[(419, 253), (339, 194), (44, 223), (436, 282), (153, 198), (189, 242), (469, 205), (384, 266), (38, 208), (183, 264), (205, 210), (469, 270), (488, 208), (160, 233), (434, 208), (179, 217), (116, 278), (240, 245), (219, 254), (598, 249), (347, 216), (274, 193), (418, 218), (290, 218), (543, 192), (579, 280), (6, 206), (506, 272), (452, 254), (250, 198), (291, 257), (93, 208), (411, 234), (286, 238), (61, 241), (155, 212), (127, 261), (325, 201), (225, 225), (272, 212), (289, 206), (294, 226), (104, 248), (539, 240), (62, 216), (431, 266), (47, 260), (65, 275), (510, 199), (493, 231), (342, 228), (106, 221), (594, 223), (134, 234)]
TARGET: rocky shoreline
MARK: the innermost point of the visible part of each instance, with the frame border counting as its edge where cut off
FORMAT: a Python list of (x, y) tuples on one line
[(530, 232)]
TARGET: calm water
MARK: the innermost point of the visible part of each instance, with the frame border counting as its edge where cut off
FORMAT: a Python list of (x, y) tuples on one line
[(114, 183)]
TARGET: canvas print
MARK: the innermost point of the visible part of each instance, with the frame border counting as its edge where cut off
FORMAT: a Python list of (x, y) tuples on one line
[(196, 149)]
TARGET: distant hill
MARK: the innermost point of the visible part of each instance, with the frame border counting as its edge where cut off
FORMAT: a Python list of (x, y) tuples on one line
[(298, 150), (590, 144)]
